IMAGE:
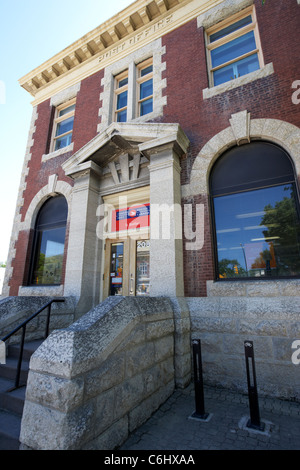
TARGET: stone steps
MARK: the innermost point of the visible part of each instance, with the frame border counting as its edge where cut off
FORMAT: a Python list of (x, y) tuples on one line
[(12, 399)]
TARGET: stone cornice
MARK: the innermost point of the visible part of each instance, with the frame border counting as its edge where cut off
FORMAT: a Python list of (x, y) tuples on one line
[(141, 22)]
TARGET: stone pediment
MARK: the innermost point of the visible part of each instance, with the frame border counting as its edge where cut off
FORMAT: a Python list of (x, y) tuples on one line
[(125, 144)]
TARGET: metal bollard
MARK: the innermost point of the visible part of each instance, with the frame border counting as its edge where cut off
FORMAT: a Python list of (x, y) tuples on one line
[(254, 422), (198, 381)]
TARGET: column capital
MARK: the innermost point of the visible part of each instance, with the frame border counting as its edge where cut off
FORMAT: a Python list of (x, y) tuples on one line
[(175, 140)]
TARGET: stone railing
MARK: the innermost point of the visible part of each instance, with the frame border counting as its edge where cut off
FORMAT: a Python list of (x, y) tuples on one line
[(93, 383), (14, 310)]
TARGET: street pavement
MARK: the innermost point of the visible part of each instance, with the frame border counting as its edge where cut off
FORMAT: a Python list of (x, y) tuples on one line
[(172, 428)]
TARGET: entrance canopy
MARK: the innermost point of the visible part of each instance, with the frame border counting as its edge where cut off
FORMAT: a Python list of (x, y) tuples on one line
[(126, 138)]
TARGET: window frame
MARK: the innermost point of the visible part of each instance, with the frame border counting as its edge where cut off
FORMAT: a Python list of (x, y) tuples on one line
[(210, 46), (118, 90), (142, 79), (38, 231), (238, 190), (58, 119)]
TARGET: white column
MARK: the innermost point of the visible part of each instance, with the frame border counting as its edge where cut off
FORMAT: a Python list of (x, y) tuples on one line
[(82, 278), (166, 253)]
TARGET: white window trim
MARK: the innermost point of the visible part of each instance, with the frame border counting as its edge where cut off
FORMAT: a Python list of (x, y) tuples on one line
[(57, 120), (223, 24), (118, 90), (139, 81), (130, 63)]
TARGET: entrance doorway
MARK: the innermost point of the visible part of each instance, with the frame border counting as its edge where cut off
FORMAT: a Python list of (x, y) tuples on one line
[(127, 267)]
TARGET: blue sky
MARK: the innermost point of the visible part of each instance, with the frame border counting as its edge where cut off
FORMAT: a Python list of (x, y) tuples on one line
[(31, 32)]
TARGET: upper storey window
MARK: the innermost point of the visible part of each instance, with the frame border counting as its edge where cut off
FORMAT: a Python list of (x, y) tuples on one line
[(133, 91), (145, 87), (63, 125), (121, 96), (234, 48)]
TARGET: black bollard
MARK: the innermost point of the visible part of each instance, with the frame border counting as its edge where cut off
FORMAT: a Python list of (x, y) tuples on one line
[(254, 422), (198, 382)]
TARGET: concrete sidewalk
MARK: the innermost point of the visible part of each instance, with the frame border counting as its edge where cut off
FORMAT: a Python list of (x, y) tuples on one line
[(171, 427)]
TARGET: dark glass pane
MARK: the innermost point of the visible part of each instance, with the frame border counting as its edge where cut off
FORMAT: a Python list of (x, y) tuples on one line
[(146, 89), (250, 166), (258, 233), (237, 69), (116, 269), (62, 142), (229, 29), (122, 100), (67, 110), (64, 126), (123, 82), (122, 116), (146, 70), (233, 49), (49, 257), (53, 212), (146, 107)]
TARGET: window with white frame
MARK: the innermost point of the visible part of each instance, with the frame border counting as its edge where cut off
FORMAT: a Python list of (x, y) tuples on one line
[(234, 47), (139, 77), (63, 125), (121, 96), (145, 87)]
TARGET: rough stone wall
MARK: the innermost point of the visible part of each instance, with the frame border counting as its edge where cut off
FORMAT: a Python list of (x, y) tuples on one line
[(201, 117), (93, 383), (15, 310), (267, 313)]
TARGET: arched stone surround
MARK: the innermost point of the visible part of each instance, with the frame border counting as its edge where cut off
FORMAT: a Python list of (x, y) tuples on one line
[(242, 129)]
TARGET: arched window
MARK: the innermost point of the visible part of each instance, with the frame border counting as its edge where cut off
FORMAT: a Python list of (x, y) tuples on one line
[(49, 242), (255, 212)]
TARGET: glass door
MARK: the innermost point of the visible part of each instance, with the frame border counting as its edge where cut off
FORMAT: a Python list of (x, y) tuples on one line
[(142, 279), (116, 269), (127, 267)]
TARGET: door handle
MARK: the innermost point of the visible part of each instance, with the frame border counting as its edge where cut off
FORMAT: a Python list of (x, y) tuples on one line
[(131, 285)]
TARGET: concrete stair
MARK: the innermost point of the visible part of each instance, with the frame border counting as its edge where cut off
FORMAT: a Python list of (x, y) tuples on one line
[(11, 399)]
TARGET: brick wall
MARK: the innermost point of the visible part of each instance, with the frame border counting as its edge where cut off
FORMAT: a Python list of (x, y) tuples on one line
[(186, 77), (87, 109), (85, 128), (201, 119)]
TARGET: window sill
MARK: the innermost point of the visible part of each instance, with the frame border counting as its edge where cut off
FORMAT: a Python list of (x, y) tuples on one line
[(254, 288), (57, 153), (41, 290), (237, 82)]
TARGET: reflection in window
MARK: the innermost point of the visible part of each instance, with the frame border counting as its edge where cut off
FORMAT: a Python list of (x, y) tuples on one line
[(116, 269), (121, 94), (257, 230), (233, 48), (50, 232), (64, 125), (142, 267), (145, 84)]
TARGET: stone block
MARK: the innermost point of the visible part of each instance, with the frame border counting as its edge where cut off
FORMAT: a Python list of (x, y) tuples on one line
[(139, 358), (158, 329), (113, 437), (109, 374), (55, 392), (163, 348)]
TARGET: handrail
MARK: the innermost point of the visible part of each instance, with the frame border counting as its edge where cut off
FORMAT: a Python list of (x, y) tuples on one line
[(23, 325)]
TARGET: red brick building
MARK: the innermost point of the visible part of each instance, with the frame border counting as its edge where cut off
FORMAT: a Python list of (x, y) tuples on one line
[(187, 110)]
